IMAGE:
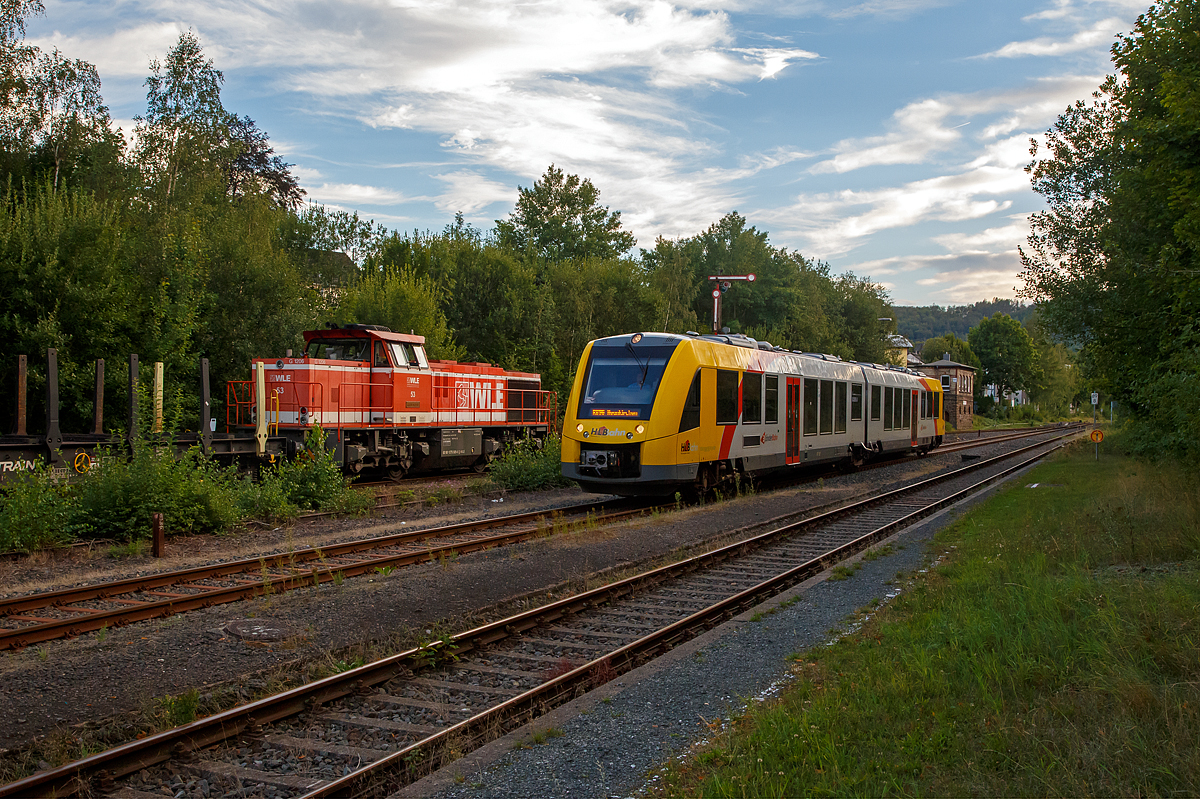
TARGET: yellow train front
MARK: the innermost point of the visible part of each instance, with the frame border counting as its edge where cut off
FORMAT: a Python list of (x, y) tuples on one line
[(656, 413)]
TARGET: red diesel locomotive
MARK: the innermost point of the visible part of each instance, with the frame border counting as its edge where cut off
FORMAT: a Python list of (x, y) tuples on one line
[(385, 405)]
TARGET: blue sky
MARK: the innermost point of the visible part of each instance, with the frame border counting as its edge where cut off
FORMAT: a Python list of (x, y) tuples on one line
[(887, 137)]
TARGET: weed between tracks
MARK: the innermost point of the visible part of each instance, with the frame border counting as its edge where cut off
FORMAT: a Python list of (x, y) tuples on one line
[(1052, 652)]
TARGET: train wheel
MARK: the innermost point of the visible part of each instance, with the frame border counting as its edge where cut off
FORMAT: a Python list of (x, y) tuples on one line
[(396, 473), (481, 465)]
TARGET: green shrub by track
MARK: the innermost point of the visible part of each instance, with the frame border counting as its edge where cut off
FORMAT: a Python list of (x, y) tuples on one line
[(1053, 652)]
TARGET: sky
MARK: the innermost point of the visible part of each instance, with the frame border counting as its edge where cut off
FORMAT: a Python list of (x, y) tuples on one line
[(886, 137)]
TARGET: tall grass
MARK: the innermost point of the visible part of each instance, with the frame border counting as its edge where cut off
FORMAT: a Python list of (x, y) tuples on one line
[(530, 464), (1054, 652)]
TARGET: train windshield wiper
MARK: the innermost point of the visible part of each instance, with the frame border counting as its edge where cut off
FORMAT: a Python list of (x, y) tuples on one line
[(645, 367)]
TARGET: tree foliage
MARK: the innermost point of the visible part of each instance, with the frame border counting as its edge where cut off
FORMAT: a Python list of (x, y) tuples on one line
[(561, 217), (1112, 262), (1006, 353)]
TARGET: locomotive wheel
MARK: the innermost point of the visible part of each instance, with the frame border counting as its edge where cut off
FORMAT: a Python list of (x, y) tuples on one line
[(396, 473), (481, 465)]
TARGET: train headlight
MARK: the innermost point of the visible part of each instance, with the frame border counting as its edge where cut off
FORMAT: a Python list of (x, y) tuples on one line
[(640, 429), (579, 428)]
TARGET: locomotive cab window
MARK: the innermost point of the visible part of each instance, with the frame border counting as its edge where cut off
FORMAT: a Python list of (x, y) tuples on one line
[(381, 357), (691, 407), (727, 397), (751, 397), (771, 406), (856, 402), (338, 349), (405, 355)]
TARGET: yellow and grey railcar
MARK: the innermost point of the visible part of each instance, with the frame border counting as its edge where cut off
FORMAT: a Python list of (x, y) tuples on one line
[(653, 413)]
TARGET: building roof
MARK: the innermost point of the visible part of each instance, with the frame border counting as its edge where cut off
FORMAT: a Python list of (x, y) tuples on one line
[(946, 363), (896, 341)]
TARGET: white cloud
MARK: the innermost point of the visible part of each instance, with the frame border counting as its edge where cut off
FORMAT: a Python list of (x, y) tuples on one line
[(124, 53), (1100, 33), (470, 192), (1008, 237), (956, 279), (354, 194)]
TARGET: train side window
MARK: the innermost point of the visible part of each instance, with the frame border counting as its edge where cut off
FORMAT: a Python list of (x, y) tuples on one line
[(771, 405), (691, 407), (839, 407), (888, 406), (727, 397), (751, 397), (876, 393), (810, 406), (906, 397), (856, 404), (422, 362), (826, 406), (898, 409)]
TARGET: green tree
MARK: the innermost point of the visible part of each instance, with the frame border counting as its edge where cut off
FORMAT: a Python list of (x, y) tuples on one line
[(561, 217), (959, 350), (1006, 353), (1112, 262), (404, 302)]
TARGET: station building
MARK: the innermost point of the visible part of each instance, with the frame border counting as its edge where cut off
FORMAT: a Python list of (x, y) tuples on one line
[(958, 387)]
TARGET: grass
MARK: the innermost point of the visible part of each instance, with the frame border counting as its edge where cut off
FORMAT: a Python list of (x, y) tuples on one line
[(1053, 651)]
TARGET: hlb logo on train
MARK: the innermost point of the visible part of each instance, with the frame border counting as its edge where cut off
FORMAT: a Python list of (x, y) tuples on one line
[(477, 394)]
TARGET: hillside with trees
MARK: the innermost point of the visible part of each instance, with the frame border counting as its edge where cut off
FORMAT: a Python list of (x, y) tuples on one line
[(919, 323)]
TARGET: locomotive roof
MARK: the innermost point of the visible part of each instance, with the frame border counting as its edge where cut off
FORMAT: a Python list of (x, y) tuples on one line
[(363, 332)]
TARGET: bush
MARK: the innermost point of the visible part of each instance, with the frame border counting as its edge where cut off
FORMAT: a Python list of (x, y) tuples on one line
[(531, 464), (35, 512), (118, 495), (313, 481)]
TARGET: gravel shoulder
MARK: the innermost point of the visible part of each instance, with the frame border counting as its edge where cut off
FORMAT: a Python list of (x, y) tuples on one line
[(69, 683)]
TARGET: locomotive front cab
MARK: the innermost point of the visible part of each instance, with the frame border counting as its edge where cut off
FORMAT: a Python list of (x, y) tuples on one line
[(612, 405)]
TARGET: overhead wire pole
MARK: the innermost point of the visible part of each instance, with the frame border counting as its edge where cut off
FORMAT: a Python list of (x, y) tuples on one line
[(723, 284)]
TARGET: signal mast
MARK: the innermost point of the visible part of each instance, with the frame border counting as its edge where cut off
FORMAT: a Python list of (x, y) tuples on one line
[(723, 284)]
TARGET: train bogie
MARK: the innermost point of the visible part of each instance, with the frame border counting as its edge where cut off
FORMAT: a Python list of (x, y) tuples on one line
[(653, 413)]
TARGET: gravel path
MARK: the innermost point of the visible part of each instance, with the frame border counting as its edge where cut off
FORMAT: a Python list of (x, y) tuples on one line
[(114, 676)]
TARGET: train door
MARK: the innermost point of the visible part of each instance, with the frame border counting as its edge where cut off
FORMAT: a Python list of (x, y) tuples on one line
[(792, 425), (380, 402), (916, 415)]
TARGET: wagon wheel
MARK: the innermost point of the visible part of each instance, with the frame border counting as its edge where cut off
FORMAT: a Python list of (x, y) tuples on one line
[(481, 465), (396, 473)]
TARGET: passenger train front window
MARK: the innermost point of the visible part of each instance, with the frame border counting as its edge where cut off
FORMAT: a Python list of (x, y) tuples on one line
[(622, 381)]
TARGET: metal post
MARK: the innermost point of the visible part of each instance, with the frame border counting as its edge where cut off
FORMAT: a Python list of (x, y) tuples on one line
[(133, 399), (99, 404), (158, 396), (260, 409), (53, 434), (205, 408), (22, 385), (160, 537)]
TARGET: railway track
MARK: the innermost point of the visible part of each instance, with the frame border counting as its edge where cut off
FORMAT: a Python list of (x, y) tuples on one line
[(371, 730), (45, 616)]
